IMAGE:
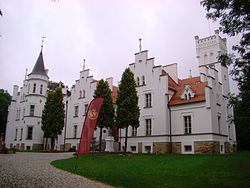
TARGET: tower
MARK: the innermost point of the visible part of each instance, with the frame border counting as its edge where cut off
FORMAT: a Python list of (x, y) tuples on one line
[(208, 50), (36, 93)]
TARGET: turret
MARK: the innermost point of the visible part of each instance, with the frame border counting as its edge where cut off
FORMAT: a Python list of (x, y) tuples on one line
[(208, 50)]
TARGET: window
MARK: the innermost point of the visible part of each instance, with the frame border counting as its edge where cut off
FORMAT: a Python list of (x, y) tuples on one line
[(186, 98), (83, 93), (148, 127), (32, 110), (21, 135), (28, 88), (75, 131), (221, 148), (41, 89), (148, 100), (138, 81), (28, 148), (34, 88), (134, 131), (16, 134), (22, 97), (85, 109), (143, 80), (187, 148), (147, 149), (29, 133), (18, 112), (23, 113), (80, 94), (133, 148), (219, 124), (76, 111), (187, 124)]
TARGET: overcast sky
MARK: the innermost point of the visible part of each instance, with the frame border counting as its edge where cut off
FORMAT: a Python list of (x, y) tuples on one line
[(104, 32)]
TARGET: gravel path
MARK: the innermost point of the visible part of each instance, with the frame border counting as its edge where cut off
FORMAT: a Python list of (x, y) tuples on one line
[(26, 169)]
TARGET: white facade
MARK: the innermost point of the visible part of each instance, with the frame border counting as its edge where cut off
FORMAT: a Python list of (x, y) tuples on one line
[(181, 116), (23, 129), (185, 116), (76, 106)]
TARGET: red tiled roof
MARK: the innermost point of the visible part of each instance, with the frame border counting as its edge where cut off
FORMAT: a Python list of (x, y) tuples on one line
[(197, 86), (171, 83)]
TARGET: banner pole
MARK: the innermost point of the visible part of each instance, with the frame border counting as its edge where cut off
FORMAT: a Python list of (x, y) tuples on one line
[(76, 162)]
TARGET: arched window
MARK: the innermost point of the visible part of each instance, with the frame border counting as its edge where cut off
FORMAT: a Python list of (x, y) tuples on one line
[(80, 94), (189, 96), (186, 97), (41, 89), (138, 81), (143, 80), (34, 88), (83, 93)]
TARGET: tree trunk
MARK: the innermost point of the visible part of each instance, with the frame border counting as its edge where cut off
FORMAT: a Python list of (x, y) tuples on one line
[(100, 140), (52, 143), (126, 139), (46, 143)]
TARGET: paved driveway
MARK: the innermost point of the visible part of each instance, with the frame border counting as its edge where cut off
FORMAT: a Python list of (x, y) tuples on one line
[(27, 169)]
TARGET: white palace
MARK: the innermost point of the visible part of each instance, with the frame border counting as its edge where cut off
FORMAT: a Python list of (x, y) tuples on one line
[(185, 116)]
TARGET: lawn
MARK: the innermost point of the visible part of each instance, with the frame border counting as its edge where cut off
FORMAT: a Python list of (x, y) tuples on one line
[(210, 170)]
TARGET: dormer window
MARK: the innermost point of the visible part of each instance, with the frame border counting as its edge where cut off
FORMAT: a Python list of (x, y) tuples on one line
[(187, 93)]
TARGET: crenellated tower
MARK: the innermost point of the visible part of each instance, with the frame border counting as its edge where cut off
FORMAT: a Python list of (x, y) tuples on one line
[(208, 50)]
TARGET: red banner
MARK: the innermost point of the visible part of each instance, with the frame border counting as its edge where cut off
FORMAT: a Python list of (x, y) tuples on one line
[(89, 125)]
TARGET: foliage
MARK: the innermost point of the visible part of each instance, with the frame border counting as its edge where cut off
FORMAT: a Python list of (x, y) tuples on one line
[(207, 170), (5, 100), (234, 16), (106, 115), (53, 115), (128, 111)]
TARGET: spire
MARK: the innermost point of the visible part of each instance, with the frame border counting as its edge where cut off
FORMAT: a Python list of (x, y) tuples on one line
[(39, 66), (84, 60), (190, 73), (43, 37), (139, 44)]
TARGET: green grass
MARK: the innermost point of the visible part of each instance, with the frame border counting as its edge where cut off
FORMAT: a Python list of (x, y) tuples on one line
[(210, 170)]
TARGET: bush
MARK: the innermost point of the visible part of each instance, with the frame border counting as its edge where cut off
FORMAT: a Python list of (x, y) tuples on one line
[(72, 150), (5, 150)]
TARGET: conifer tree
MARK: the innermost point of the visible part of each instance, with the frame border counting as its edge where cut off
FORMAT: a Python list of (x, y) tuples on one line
[(53, 115), (106, 115), (128, 111)]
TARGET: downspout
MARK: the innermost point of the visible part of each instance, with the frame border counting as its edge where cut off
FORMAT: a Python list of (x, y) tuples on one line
[(170, 126), (66, 114)]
